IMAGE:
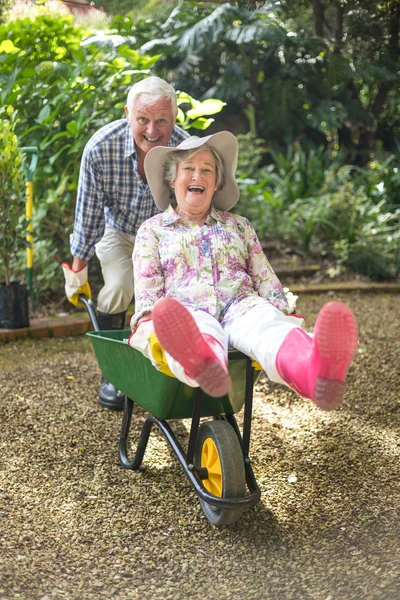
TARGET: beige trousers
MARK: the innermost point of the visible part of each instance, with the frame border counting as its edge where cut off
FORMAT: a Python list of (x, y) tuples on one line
[(114, 252)]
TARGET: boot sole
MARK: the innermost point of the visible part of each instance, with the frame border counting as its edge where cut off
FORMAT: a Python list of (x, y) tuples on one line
[(336, 337), (179, 335)]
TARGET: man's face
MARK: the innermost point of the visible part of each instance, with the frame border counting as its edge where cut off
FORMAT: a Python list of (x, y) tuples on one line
[(151, 124)]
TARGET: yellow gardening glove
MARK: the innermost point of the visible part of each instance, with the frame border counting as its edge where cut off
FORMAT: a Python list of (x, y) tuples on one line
[(158, 353), (76, 283)]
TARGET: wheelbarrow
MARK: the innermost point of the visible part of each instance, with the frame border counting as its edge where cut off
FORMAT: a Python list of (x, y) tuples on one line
[(216, 460)]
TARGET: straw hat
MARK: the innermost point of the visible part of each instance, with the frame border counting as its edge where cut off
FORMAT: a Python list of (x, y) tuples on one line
[(223, 142)]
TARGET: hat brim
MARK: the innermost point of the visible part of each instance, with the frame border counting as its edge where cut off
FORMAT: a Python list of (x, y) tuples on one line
[(223, 142)]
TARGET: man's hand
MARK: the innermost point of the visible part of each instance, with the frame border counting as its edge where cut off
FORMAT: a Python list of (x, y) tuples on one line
[(76, 283)]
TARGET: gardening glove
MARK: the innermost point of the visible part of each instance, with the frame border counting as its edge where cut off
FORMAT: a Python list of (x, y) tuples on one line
[(145, 339), (76, 283)]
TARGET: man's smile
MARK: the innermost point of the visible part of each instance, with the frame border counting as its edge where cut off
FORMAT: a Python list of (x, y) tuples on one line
[(152, 140)]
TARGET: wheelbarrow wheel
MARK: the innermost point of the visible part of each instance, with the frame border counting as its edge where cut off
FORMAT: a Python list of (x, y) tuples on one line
[(218, 450)]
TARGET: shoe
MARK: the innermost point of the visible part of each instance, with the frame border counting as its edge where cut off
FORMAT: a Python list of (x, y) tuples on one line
[(179, 335), (316, 367), (110, 397)]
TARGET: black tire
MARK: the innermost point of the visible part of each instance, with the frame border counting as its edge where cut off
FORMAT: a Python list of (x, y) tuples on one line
[(231, 483)]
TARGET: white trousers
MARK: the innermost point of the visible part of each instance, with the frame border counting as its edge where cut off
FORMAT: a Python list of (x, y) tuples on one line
[(258, 333), (114, 252)]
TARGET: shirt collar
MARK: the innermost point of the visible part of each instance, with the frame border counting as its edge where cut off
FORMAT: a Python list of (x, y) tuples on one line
[(170, 216), (216, 214), (129, 143)]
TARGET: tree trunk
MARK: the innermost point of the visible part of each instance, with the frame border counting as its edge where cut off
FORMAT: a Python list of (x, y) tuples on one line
[(393, 44), (318, 18), (338, 27), (367, 137)]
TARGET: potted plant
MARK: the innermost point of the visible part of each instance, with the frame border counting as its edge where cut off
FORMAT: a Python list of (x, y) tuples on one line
[(13, 294)]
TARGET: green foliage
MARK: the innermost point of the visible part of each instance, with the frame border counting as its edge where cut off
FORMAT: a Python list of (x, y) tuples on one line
[(309, 96), (63, 91), (329, 209), (334, 91), (12, 197), (139, 9), (372, 263), (257, 201), (197, 114), (66, 83)]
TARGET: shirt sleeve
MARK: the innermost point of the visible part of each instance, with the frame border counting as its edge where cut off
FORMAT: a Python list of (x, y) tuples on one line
[(264, 278), (89, 213), (147, 272)]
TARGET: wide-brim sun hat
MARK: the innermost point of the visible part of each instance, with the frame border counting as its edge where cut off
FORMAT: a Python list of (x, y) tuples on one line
[(223, 142)]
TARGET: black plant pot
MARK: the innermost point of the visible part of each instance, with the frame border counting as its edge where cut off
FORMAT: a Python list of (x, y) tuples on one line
[(13, 306)]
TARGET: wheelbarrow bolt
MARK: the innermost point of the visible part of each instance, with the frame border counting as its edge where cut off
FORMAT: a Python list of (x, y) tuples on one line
[(202, 472)]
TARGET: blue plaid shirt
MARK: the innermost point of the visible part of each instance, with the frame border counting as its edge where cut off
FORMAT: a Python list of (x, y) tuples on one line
[(111, 191)]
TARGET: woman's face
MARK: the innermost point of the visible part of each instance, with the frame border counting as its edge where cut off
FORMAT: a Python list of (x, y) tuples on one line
[(195, 183)]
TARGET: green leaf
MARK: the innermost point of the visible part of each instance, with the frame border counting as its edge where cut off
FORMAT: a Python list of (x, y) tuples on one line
[(149, 61), (44, 113), (180, 117), (8, 47), (132, 56), (208, 107), (28, 72), (72, 127), (200, 123)]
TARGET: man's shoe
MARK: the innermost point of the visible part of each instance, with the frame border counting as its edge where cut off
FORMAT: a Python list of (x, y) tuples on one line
[(110, 397)]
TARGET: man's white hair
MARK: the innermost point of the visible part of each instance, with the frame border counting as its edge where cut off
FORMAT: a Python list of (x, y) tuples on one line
[(151, 90)]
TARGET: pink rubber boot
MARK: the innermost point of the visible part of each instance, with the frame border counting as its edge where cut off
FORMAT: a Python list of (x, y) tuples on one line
[(201, 355), (316, 367)]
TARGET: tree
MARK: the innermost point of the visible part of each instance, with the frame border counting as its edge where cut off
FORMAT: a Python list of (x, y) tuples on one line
[(315, 69)]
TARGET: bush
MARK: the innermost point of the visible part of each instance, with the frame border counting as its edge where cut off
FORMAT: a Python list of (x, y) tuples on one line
[(67, 82), (12, 196), (309, 200)]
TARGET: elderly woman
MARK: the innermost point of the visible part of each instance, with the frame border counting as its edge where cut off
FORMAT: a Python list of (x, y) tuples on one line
[(203, 283)]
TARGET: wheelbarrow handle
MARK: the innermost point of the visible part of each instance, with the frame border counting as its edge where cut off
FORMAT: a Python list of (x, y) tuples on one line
[(91, 310)]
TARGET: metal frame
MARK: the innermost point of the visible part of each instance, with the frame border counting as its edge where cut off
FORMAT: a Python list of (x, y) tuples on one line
[(186, 459)]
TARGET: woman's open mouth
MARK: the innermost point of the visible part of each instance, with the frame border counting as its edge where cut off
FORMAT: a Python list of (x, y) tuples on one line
[(196, 189)]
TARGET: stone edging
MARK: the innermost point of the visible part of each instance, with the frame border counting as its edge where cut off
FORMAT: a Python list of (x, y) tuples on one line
[(70, 325)]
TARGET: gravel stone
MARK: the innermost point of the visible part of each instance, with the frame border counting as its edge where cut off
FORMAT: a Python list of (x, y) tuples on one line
[(74, 525)]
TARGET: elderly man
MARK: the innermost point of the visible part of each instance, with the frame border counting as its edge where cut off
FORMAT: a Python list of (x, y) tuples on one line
[(113, 201)]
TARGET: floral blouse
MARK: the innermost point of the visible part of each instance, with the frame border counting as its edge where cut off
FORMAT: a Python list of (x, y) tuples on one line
[(218, 267)]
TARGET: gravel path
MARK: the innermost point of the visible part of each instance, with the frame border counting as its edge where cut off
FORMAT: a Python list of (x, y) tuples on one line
[(74, 525)]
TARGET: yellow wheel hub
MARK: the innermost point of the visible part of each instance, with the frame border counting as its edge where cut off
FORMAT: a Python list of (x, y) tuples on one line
[(210, 460)]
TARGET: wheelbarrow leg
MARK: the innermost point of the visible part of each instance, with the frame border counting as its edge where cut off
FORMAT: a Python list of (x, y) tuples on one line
[(123, 438)]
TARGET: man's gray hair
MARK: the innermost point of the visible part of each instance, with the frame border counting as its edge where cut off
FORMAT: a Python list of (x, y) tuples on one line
[(151, 90)]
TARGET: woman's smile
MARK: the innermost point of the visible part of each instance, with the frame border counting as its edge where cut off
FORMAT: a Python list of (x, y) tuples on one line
[(194, 185)]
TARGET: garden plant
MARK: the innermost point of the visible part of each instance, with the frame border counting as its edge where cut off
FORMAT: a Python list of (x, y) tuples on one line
[(13, 296), (315, 107)]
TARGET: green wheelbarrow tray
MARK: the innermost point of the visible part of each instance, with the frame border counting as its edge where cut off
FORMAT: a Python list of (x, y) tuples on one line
[(163, 396)]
